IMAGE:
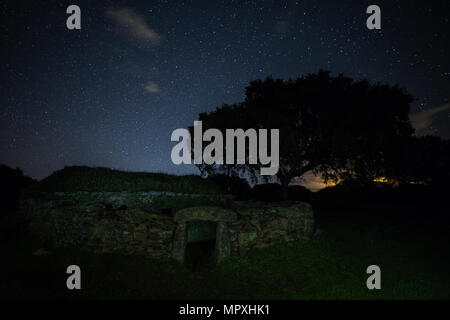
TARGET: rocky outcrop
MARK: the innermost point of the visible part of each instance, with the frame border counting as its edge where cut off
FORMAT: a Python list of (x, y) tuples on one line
[(128, 223)]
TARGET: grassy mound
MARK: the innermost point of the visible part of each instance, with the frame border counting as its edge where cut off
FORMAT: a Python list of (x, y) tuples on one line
[(81, 178)]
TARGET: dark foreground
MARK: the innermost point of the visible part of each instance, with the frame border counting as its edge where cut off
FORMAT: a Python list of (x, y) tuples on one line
[(409, 244)]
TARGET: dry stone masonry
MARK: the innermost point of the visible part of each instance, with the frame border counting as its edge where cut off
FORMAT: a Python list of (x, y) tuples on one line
[(131, 223)]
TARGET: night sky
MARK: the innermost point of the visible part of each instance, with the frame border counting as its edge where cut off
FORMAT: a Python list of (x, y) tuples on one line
[(111, 93)]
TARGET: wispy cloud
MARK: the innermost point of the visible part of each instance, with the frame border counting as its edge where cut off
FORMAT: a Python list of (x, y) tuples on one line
[(152, 87), (422, 121), (135, 25)]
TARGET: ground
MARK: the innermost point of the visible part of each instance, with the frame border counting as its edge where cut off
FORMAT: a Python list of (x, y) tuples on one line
[(411, 252)]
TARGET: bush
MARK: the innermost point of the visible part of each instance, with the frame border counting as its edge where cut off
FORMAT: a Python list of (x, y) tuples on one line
[(299, 193), (12, 182), (269, 192), (234, 185)]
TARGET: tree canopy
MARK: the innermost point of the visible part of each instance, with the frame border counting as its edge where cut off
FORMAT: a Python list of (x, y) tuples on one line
[(332, 125)]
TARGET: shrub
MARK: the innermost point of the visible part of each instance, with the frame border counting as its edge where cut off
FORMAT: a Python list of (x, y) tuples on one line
[(232, 185)]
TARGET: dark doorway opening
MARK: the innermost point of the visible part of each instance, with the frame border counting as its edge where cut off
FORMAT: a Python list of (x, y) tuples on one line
[(201, 244)]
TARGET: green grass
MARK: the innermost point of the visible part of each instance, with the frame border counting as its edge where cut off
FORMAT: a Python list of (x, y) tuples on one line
[(80, 178), (412, 254)]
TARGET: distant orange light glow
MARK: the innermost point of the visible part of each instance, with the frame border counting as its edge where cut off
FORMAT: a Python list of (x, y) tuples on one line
[(313, 182)]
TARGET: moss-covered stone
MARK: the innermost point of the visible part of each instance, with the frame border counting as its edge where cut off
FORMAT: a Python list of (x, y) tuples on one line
[(131, 223)]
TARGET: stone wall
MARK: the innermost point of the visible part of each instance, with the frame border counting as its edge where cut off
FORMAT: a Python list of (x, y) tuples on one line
[(130, 231), (265, 225), (148, 201), (128, 223)]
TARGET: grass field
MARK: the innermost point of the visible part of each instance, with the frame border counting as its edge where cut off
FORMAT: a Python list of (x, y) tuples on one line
[(412, 254)]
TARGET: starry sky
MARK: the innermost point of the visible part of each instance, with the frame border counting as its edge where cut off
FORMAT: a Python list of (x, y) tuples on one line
[(111, 93)]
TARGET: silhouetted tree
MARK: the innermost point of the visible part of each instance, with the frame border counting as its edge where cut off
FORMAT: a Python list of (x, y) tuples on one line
[(331, 125)]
